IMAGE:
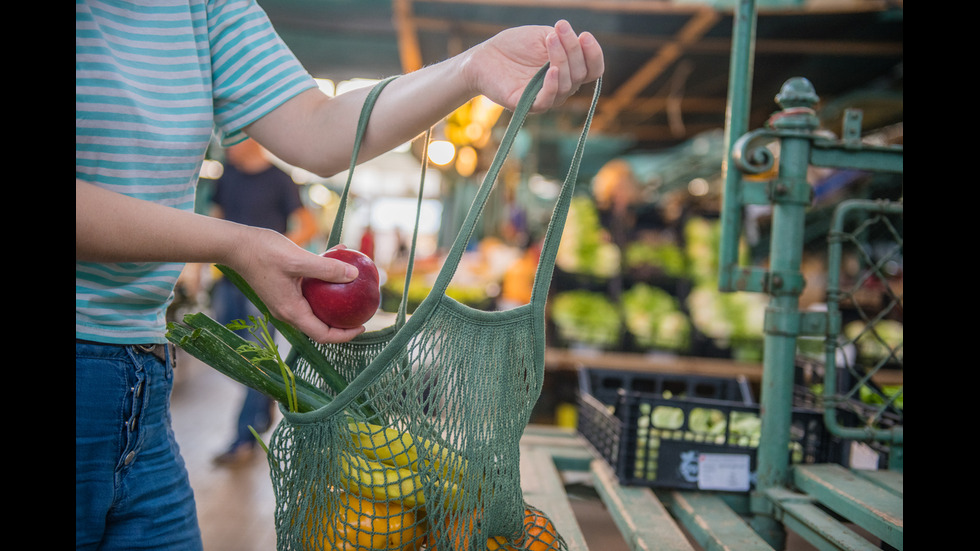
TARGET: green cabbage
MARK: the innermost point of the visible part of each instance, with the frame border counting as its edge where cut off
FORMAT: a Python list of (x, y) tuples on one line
[(668, 257), (655, 319), (585, 247), (727, 316), (586, 317)]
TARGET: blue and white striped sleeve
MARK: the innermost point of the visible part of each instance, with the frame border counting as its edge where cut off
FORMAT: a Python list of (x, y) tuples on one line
[(254, 71)]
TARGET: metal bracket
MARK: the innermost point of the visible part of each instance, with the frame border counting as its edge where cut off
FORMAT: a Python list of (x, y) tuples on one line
[(781, 191), (794, 323), (759, 280)]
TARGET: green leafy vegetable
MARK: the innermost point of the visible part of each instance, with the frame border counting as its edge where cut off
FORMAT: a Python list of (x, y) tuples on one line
[(585, 247), (260, 330), (667, 257), (706, 420), (586, 317), (727, 317), (666, 417), (230, 354), (655, 319)]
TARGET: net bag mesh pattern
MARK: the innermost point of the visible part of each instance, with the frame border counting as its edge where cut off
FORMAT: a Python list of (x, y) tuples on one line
[(421, 448)]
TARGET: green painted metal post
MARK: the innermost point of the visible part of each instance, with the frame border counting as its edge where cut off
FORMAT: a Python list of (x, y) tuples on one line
[(791, 195), (736, 124)]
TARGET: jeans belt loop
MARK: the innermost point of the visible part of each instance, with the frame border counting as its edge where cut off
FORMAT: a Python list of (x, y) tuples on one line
[(158, 350)]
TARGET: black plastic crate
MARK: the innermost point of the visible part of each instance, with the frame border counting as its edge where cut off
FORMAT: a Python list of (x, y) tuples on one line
[(704, 436), (607, 385)]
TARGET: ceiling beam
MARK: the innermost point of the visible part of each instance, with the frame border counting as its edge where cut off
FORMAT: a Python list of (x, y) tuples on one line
[(719, 46), (610, 6), (408, 38), (654, 6), (664, 132), (701, 21), (633, 107)]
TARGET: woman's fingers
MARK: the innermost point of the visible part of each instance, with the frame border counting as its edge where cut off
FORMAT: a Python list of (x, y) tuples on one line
[(322, 333), (574, 60), (574, 56), (592, 54), (297, 312)]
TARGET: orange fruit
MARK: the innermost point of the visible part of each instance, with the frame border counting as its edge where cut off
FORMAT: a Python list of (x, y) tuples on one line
[(539, 534), (356, 524)]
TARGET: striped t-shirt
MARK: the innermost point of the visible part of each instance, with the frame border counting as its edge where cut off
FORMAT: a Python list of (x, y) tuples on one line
[(153, 80)]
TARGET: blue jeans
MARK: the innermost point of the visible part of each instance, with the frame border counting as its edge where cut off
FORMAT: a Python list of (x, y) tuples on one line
[(230, 304), (131, 486)]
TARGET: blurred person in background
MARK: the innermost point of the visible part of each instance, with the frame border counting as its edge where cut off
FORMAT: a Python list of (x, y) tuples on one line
[(518, 280), (152, 82), (367, 242), (255, 192)]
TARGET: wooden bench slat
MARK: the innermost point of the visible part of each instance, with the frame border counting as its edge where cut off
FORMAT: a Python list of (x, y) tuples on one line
[(713, 523), (543, 488), (641, 518), (816, 526), (869, 505), (889, 480), (800, 513)]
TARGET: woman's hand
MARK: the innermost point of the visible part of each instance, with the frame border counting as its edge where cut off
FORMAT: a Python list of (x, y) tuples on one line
[(501, 67), (274, 266)]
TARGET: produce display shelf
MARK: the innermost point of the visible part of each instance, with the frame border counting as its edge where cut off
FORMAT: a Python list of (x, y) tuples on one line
[(563, 358)]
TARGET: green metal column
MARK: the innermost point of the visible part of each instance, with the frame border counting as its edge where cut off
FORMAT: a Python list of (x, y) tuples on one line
[(736, 124), (790, 194)]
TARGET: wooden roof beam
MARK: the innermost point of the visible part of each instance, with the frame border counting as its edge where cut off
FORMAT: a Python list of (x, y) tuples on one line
[(408, 39), (700, 22)]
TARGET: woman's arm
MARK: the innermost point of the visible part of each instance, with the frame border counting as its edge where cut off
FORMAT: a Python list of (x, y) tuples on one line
[(111, 227)]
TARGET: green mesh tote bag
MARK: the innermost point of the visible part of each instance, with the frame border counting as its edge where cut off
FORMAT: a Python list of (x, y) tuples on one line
[(408, 438), (421, 448)]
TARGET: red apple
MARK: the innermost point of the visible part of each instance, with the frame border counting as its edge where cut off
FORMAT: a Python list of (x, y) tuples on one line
[(345, 305)]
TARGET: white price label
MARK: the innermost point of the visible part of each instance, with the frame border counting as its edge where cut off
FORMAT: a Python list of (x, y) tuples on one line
[(723, 471)]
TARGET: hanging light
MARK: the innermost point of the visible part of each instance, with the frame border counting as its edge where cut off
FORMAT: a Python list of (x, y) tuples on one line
[(212, 169), (698, 187), (441, 152), (320, 194), (466, 161)]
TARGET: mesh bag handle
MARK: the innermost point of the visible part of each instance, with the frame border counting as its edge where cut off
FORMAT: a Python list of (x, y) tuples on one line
[(338, 363), (338, 223)]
